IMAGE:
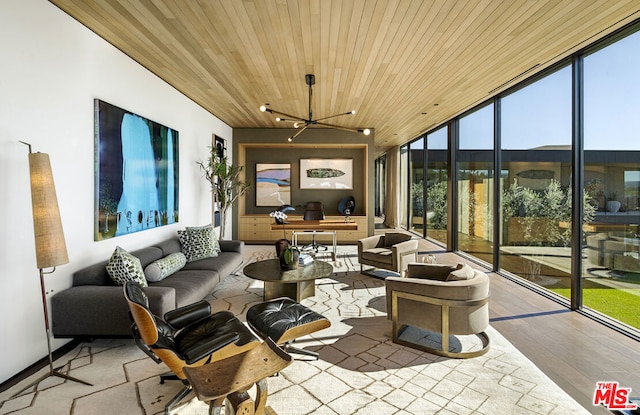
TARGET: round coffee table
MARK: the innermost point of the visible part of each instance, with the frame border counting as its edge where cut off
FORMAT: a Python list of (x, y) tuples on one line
[(296, 284)]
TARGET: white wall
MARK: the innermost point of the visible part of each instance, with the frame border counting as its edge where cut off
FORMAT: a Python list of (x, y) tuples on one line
[(51, 69)]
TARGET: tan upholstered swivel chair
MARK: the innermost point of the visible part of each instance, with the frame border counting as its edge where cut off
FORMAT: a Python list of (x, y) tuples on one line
[(392, 251), (442, 299)]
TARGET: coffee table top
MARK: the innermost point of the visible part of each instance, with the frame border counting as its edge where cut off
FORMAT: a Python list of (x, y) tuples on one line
[(269, 270)]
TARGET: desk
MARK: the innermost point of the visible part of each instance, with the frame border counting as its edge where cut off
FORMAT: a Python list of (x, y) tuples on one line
[(316, 227)]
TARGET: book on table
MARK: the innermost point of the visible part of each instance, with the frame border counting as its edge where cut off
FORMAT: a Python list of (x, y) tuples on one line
[(305, 259)]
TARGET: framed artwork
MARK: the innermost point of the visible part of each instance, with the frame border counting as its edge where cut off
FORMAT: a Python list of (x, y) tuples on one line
[(326, 174), (221, 147), (136, 172), (273, 184)]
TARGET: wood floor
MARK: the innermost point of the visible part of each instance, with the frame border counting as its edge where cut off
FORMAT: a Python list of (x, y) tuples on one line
[(574, 350)]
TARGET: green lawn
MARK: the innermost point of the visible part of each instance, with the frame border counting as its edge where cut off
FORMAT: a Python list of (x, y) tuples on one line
[(617, 304)]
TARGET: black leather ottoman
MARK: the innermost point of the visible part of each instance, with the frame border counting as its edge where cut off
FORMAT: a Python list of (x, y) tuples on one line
[(283, 320)]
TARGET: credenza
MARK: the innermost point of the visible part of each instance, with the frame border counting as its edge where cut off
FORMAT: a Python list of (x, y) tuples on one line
[(258, 229)]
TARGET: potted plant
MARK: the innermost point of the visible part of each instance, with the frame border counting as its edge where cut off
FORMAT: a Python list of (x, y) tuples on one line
[(226, 185), (289, 258)]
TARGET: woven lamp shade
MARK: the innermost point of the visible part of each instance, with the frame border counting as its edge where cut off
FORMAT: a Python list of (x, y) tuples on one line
[(51, 249)]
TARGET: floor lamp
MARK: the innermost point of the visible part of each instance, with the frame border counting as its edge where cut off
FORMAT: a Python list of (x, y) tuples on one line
[(51, 249)]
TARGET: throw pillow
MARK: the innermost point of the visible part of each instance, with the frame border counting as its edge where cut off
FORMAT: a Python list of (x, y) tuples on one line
[(199, 242), (162, 268), (437, 272), (393, 238), (123, 267), (462, 272), (207, 228)]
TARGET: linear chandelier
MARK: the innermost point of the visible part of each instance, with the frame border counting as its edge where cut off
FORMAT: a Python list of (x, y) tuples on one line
[(303, 123)]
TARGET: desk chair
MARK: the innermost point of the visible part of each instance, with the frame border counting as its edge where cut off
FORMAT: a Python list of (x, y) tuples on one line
[(314, 211)]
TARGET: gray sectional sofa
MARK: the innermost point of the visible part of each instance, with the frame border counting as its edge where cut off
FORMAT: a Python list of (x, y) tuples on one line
[(95, 306)]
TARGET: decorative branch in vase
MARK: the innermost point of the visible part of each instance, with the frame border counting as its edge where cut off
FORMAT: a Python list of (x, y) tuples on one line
[(226, 183)]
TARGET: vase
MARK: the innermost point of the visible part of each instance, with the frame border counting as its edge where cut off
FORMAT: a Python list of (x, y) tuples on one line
[(613, 206), (289, 258), (281, 245)]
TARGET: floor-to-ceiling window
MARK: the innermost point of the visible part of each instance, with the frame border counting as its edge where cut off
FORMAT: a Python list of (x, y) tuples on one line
[(475, 174), (436, 186), (592, 102), (611, 264), (535, 181), (379, 185), (404, 186), (416, 183)]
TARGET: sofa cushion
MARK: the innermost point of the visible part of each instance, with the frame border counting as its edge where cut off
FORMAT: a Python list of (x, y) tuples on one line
[(169, 246), (199, 242), (224, 264), (461, 273), (123, 267), (147, 255), (163, 267), (190, 285), (95, 274)]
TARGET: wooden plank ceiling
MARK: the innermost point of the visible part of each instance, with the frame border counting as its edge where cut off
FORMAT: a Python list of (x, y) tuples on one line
[(404, 66)]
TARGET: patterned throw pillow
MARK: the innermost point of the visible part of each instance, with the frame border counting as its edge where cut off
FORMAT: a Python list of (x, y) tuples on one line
[(199, 242), (162, 268), (123, 267)]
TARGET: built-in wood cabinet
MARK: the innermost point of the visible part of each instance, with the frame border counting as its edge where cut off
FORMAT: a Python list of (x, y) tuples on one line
[(257, 229), (255, 146)]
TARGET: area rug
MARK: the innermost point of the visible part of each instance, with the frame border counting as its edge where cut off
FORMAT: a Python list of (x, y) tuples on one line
[(360, 370)]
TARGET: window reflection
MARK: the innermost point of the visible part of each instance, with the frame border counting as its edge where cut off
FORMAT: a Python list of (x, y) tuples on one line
[(536, 182), (436, 189), (611, 259), (416, 191), (475, 184)]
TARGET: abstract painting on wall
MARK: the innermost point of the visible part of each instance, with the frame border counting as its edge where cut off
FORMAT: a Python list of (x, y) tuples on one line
[(273, 184), (326, 173), (136, 173)]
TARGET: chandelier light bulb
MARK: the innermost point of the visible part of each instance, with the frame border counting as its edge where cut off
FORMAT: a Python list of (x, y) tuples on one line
[(296, 125), (290, 139), (353, 112), (263, 108), (278, 119), (366, 131)]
